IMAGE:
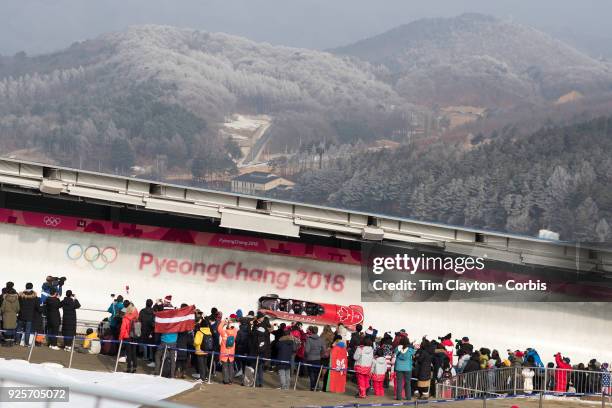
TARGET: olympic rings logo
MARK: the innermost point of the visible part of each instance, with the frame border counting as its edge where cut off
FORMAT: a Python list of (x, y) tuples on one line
[(52, 221), (96, 257)]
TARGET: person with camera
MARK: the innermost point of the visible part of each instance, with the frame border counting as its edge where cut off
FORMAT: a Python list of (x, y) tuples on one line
[(54, 320), (69, 306), (52, 282), (463, 347)]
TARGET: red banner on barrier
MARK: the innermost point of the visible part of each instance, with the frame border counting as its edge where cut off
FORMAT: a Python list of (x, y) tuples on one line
[(180, 236)]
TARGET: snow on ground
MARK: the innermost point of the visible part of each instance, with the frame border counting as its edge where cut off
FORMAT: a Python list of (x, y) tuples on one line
[(247, 122), (137, 385)]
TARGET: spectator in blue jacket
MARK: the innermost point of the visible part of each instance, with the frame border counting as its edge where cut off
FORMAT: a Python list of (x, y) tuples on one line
[(404, 354), (51, 283), (536, 357), (114, 320)]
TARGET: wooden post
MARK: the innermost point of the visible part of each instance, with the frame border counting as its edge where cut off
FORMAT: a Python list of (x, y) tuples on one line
[(297, 376), (212, 361), (161, 366), (72, 353), (118, 353), (318, 377), (32, 347), (256, 368)]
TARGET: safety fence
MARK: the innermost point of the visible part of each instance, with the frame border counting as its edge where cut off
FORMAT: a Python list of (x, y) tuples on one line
[(526, 381), (493, 384), (483, 400), (256, 361)]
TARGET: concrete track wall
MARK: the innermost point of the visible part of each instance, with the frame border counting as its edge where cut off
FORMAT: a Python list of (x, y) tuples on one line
[(98, 265)]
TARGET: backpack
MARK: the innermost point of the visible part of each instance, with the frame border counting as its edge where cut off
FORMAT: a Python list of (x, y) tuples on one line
[(167, 369), (249, 376), (207, 343), (229, 342), (135, 329)]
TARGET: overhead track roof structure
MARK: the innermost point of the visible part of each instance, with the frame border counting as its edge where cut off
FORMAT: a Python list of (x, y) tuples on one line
[(290, 219)]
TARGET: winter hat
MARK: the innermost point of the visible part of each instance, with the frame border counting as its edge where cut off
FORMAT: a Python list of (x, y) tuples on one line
[(168, 298), (519, 354), (260, 315), (239, 313), (465, 339), (233, 316), (10, 285), (447, 337), (68, 293), (605, 366), (370, 331), (29, 286)]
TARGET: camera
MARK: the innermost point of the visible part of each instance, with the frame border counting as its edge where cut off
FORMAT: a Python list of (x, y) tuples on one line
[(55, 281)]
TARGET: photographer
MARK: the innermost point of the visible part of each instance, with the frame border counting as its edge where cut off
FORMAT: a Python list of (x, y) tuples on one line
[(69, 306), (463, 347), (52, 282)]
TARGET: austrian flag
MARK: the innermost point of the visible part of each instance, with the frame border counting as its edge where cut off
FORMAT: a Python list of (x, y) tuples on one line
[(175, 320)]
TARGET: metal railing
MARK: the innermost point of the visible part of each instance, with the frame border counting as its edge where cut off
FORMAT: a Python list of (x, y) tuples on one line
[(526, 381)]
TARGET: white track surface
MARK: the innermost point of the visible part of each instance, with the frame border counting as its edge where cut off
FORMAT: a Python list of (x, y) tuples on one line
[(137, 385)]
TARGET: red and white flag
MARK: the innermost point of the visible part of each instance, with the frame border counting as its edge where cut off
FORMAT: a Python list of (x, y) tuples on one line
[(175, 320)]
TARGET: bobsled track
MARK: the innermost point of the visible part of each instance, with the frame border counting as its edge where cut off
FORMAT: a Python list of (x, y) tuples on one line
[(113, 235)]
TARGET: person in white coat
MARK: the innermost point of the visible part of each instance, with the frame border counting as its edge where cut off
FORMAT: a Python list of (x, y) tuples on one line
[(378, 372)]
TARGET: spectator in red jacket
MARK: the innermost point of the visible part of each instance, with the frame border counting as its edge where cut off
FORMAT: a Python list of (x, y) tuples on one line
[(562, 372), (127, 334)]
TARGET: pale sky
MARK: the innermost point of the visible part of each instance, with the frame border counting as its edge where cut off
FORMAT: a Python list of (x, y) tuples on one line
[(38, 26)]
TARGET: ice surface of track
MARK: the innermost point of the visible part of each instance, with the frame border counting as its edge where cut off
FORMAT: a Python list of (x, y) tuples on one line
[(137, 385)]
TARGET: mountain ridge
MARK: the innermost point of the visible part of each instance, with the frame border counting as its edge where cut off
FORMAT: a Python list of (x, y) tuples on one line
[(436, 60)]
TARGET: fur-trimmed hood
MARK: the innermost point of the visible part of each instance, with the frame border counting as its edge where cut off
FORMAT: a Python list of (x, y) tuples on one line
[(28, 294), (11, 297)]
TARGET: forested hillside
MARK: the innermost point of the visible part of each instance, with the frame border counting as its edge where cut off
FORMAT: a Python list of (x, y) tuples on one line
[(479, 60), (558, 178), (127, 97)]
